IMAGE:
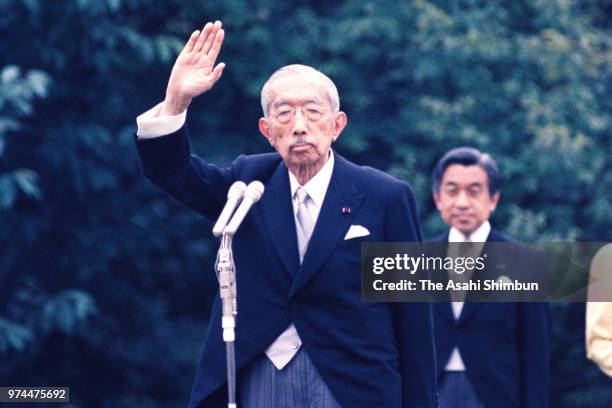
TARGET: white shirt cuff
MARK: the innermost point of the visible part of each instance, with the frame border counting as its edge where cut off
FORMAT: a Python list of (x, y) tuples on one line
[(150, 124)]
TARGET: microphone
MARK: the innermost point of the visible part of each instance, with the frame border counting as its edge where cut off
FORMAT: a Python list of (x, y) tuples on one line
[(252, 194), (234, 196)]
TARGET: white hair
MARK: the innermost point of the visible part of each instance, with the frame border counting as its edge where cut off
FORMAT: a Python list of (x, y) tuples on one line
[(300, 70)]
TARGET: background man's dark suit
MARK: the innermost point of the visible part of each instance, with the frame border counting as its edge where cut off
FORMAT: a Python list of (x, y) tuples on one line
[(370, 354), (504, 345)]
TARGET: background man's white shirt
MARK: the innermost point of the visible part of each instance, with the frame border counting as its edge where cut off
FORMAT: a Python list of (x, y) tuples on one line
[(455, 363)]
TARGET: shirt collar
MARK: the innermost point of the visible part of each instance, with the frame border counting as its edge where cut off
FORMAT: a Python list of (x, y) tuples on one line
[(479, 235), (316, 187)]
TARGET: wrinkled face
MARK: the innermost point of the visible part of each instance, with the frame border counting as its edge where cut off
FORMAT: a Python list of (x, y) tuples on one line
[(463, 198), (300, 124)]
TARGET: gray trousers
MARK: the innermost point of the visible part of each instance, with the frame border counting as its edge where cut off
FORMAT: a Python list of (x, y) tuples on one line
[(456, 391), (297, 385)]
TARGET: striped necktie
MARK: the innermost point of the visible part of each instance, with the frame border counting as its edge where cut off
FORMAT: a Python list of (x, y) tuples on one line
[(305, 224)]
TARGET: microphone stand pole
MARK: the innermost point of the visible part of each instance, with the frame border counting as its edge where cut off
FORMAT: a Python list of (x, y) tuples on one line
[(226, 274)]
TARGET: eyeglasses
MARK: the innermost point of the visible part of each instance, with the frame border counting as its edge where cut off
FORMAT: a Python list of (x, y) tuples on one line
[(286, 114)]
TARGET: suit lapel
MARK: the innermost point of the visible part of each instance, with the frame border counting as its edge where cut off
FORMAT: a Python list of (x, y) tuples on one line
[(470, 306), (468, 310), (278, 215), (332, 223), (442, 307)]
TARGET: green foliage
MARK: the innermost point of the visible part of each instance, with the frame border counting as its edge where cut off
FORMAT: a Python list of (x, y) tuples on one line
[(13, 336), (17, 93), (106, 284), (66, 310)]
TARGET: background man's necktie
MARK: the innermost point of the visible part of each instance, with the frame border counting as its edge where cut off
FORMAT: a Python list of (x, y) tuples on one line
[(464, 249)]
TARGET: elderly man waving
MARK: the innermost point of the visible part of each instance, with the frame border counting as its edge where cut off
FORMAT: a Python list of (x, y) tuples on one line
[(304, 337)]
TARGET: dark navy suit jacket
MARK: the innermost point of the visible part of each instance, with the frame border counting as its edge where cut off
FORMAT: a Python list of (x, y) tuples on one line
[(504, 345), (369, 354)]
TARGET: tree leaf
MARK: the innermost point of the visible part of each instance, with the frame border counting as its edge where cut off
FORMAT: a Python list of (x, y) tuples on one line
[(27, 182)]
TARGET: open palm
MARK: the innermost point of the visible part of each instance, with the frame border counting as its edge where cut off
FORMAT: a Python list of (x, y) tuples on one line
[(194, 71)]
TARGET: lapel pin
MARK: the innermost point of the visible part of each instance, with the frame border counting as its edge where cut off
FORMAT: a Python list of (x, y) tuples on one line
[(346, 210)]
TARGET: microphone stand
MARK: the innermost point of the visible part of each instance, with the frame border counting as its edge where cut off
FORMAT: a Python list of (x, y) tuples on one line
[(226, 274)]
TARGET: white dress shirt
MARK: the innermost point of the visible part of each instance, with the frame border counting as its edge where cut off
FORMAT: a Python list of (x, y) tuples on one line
[(151, 125), (455, 362)]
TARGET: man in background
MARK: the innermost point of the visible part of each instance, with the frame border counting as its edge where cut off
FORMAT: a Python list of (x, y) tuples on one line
[(599, 335), (490, 354), (599, 311)]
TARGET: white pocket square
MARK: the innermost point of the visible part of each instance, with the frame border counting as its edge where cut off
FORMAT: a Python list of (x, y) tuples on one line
[(356, 231)]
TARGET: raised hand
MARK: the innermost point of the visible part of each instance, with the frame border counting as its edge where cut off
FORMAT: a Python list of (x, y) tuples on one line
[(194, 71)]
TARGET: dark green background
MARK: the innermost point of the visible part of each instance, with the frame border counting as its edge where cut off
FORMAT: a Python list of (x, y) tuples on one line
[(105, 283)]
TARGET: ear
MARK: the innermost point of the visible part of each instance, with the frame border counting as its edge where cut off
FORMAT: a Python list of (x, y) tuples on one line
[(340, 121), (494, 201), (436, 197), (264, 128)]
